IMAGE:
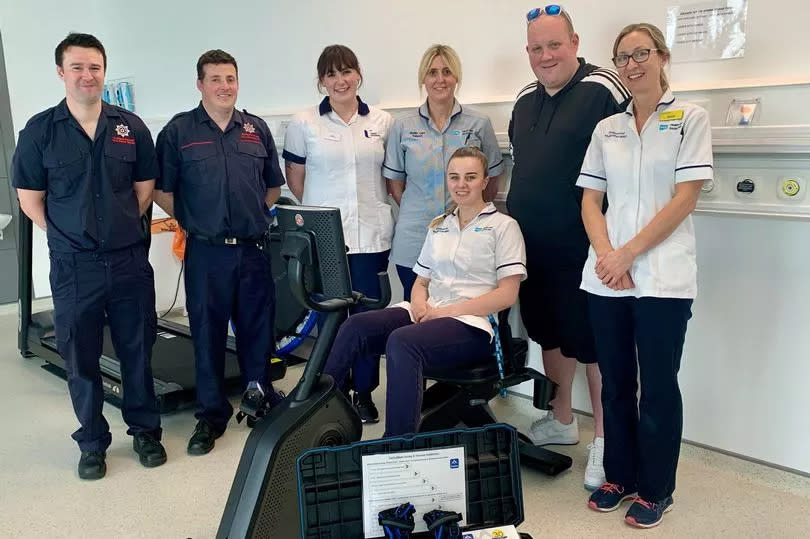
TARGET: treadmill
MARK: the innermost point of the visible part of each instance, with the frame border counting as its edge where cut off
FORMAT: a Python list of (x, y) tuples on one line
[(172, 354)]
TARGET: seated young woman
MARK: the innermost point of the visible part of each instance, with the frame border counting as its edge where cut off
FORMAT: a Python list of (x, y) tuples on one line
[(471, 265)]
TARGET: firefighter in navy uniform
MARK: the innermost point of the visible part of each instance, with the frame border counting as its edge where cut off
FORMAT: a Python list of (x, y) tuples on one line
[(84, 172), (219, 174)]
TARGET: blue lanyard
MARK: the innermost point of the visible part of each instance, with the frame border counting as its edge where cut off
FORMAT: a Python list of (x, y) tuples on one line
[(498, 350)]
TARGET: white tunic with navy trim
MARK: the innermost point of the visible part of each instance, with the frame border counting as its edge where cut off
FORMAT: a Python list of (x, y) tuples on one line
[(467, 263), (639, 173), (344, 169)]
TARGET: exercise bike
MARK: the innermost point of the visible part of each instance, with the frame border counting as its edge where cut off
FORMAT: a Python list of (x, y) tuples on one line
[(263, 501)]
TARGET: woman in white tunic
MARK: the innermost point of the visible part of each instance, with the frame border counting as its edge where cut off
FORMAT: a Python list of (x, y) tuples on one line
[(470, 265), (641, 275), (334, 154)]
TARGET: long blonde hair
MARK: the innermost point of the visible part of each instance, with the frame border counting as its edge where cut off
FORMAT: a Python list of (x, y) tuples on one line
[(658, 40), (464, 151)]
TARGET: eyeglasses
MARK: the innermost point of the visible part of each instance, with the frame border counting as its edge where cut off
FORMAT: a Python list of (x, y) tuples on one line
[(551, 9), (640, 56)]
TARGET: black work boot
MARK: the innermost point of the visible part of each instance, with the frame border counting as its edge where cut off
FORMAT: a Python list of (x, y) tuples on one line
[(92, 465), (202, 441), (150, 451)]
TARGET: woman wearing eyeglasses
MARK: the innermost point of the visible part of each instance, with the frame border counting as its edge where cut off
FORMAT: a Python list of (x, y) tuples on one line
[(419, 146), (640, 276)]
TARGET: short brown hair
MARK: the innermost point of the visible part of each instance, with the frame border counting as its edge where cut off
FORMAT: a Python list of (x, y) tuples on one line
[(336, 58), (215, 56), (86, 41)]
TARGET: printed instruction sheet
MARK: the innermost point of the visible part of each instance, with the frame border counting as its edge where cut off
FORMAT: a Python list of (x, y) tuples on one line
[(429, 479)]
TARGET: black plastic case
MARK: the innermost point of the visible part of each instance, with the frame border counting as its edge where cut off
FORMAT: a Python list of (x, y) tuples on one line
[(330, 480)]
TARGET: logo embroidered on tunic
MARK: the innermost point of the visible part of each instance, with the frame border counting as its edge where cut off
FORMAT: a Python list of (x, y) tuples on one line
[(122, 130), (248, 127)]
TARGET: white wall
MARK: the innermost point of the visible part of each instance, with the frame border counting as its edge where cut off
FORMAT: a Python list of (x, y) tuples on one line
[(277, 44), (747, 355)]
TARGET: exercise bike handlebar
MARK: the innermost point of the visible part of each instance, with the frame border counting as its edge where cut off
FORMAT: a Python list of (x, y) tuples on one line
[(385, 294), (295, 271)]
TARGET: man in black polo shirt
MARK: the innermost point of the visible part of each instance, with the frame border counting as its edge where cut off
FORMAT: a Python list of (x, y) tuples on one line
[(219, 174), (84, 172), (550, 129)]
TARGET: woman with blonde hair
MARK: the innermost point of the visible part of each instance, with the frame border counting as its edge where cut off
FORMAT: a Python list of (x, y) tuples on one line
[(641, 274), (470, 266), (419, 146)]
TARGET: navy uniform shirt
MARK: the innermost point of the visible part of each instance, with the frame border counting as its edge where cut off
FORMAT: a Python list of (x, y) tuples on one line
[(219, 179), (90, 203), (549, 136)]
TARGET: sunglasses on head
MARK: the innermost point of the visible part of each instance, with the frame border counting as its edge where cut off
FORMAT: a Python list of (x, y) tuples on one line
[(551, 9)]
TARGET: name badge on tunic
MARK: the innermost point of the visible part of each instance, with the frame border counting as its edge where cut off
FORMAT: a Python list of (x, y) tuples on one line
[(670, 115), (332, 136)]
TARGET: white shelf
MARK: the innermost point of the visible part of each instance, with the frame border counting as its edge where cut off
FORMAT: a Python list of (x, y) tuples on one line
[(765, 139)]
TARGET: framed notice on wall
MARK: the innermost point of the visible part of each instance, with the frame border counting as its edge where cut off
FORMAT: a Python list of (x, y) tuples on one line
[(711, 30)]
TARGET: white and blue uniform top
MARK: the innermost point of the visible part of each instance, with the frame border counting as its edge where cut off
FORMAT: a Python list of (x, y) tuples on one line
[(467, 263), (417, 152), (639, 171), (344, 170)]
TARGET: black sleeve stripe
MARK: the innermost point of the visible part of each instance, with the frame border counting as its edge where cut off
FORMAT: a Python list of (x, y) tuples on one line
[(422, 265), (510, 264), (529, 87), (620, 93), (288, 156), (394, 170), (592, 176), (496, 164), (693, 166)]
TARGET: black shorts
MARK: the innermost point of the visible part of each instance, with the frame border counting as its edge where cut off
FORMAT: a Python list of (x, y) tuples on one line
[(555, 312)]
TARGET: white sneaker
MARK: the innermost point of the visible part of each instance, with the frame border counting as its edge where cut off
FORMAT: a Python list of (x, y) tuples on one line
[(549, 431), (547, 417), (594, 471)]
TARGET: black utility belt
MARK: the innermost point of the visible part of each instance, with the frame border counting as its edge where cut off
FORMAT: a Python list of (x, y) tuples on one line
[(227, 241)]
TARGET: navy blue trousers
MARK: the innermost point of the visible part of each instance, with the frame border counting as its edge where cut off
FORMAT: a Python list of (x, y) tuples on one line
[(363, 268), (225, 282), (409, 348), (407, 277), (119, 286), (641, 338)]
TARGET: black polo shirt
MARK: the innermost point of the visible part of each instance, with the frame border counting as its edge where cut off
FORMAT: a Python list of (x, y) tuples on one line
[(219, 179), (549, 137), (90, 203)]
